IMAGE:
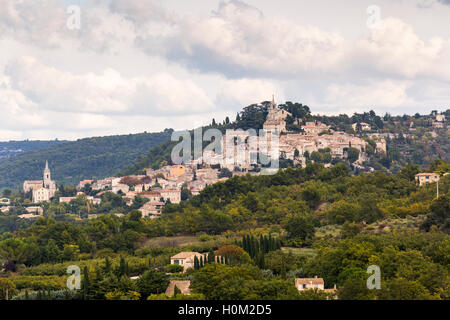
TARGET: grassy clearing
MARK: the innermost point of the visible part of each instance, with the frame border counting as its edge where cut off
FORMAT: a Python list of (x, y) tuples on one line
[(305, 252)]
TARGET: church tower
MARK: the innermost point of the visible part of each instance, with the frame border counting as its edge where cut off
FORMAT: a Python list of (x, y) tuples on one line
[(47, 176)]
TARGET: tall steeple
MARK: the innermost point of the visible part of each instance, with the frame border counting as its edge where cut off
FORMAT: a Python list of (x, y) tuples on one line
[(47, 176), (273, 104)]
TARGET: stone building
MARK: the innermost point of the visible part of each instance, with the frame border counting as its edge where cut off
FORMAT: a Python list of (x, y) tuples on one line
[(276, 118), (42, 190)]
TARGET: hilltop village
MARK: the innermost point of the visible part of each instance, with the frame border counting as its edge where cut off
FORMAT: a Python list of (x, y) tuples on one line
[(174, 183)]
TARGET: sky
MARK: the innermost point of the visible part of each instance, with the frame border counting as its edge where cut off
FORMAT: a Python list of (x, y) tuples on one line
[(78, 68)]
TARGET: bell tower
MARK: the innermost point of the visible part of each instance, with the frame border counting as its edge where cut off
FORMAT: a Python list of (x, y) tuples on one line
[(47, 176)]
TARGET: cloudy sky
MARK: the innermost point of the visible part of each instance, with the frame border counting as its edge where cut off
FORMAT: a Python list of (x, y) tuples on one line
[(135, 66)]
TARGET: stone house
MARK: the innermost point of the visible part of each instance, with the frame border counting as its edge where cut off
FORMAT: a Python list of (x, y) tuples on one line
[(423, 178), (309, 283), (185, 259)]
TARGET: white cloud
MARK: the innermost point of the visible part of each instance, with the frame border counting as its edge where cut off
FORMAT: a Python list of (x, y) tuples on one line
[(238, 39), (243, 92), (394, 48), (108, 92), (135, 65), (387, 93)]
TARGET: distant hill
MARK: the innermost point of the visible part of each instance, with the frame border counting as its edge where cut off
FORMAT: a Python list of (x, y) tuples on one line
[(13, 148), (82, 159)]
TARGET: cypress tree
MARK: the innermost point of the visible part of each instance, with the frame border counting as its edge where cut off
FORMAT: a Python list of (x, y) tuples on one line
[(211, 256), (278, 244), (122, 267), (107, 265), (283, 268), (85, 285), (266, 244), (176, 291), (196, 263)]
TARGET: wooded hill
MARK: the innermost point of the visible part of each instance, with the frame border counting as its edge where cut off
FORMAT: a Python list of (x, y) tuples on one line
[(73, 161), (10, 149)]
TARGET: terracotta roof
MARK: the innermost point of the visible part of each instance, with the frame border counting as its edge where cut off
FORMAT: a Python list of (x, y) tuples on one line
[(184, 255), (309, 281), (154, 203), (426, 174)]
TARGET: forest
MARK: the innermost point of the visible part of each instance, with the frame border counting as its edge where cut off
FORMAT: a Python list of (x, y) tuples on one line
[(268, 230)]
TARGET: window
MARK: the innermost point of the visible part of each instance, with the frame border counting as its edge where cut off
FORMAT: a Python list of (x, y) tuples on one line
[(176, 261)]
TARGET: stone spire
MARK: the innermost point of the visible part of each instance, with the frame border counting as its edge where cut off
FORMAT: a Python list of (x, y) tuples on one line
[(273, 104), (47, 177)]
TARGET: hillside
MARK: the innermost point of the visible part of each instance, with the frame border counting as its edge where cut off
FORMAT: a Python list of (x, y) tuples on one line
[(10, 149), (298, 223), (409, 139), (85, 158)]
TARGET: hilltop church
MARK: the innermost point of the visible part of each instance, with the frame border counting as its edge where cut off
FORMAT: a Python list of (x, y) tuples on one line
[(276, 118), (43, 190)]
